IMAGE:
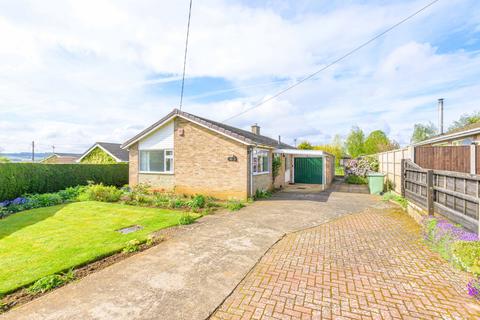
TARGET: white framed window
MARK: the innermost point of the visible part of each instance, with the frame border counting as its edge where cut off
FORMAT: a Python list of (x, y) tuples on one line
[(260, 162), (156, 161)]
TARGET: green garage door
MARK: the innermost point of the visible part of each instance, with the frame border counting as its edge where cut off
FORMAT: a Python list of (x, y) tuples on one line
[(308, 170)]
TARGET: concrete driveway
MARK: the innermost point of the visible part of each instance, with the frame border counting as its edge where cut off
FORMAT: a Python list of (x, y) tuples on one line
[(190, 275)]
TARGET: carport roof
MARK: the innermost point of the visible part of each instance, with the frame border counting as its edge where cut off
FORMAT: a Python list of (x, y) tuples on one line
[(302, 152)]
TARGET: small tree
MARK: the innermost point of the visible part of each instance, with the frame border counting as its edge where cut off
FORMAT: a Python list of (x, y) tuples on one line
[(377, 141), (465, 120), (305, 145), (423, 132), (355, 142), (276, 164)]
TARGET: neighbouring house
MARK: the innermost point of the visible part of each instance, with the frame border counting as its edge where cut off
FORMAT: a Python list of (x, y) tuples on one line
[(104, 153), (464, 136), (61, 158), (188, 154)]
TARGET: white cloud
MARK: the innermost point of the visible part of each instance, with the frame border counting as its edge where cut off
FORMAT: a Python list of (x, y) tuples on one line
[(75, 72)]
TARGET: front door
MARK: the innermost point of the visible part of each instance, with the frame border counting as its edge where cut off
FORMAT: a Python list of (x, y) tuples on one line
[(309, 170)]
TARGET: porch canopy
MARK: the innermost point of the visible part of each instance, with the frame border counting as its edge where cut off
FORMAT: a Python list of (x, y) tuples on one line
[(317, 153)]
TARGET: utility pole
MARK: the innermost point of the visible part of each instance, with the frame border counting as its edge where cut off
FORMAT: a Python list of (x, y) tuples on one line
[(33, 151), (295, 142), (53, 149)]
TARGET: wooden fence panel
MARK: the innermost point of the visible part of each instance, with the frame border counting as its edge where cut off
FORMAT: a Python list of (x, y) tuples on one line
[(390, 164), (447, 158), (454, 195)]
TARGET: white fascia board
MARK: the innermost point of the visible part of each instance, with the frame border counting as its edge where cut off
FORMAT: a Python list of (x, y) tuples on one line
[(300, 152), (198, 123), (449, 136)]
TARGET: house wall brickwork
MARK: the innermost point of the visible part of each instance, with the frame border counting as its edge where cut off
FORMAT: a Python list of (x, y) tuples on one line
[(160, 182), (202, 165), (329, 169), (262, 182), (133, 165)]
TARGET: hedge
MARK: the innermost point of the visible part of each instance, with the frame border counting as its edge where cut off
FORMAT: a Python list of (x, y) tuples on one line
[(17, 179)]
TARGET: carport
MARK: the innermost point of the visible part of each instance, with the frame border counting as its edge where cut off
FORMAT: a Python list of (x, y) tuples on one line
[(307, 167)]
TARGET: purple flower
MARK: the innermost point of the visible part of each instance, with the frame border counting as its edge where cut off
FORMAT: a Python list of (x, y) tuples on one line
[(19, 201), (4, 203), (473, 288)]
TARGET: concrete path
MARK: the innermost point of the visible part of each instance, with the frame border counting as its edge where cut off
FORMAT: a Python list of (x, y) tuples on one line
[(371, 265), (190, 275)]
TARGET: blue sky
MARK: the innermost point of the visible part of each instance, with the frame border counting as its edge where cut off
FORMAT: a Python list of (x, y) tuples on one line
[(76, 72)]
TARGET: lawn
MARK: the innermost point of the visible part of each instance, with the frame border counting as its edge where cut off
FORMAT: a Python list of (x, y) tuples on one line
[(43, 241)]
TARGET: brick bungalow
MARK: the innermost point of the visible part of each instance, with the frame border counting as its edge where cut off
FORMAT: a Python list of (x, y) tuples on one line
[(188, 154)]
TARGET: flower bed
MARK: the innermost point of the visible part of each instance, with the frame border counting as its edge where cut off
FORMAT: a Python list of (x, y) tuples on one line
[(457, 245)]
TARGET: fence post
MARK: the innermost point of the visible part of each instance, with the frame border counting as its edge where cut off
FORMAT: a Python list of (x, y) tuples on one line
[(430, 204), (402, 177), (473, 159)]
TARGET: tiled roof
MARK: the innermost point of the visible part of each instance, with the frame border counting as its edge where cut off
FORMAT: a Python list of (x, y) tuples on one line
[(112, 148), (233, 132)]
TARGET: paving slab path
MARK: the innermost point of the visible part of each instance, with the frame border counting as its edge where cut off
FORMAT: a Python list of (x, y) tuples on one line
[(190, 275), (371, 265)]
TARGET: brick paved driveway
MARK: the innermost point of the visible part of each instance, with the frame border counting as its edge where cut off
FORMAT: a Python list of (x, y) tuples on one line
[(370, 265)]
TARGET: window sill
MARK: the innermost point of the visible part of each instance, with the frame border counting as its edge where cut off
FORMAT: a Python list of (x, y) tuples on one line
[(260, 173), (156, 172)]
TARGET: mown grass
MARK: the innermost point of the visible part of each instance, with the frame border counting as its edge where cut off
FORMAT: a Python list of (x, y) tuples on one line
[(40, 242)]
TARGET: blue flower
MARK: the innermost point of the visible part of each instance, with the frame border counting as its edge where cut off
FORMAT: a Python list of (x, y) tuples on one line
[(19, 201), (4, 203)]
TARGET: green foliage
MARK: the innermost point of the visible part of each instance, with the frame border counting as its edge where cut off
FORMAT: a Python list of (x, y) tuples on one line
[(17, 179), (377, 141), (197, 202), (355, 142), (466, 254), (132, 246), (397, 198), (339, 171), (352, 179), (51, 282), (262, 194), (389, 185), (186, 219), (234, 205), (422, 132), (98, 156), (465, 120), (332, 149), (4, 160), (99, 192), (276, 164), (43, 241), (305, 145)]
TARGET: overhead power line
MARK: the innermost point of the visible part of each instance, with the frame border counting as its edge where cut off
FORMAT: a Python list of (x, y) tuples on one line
[(185, 56), (333, 62)]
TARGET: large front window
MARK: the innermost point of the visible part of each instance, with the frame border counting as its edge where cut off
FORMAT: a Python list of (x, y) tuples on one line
[(156, 161), (260, 161)]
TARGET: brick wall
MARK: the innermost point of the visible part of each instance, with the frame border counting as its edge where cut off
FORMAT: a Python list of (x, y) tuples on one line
[(202, 166), (329, 169), (133, 165)]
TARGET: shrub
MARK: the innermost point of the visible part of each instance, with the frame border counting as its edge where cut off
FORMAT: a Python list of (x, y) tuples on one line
[(234, 205), (197, 202), (352, 179), (51, 282), (45, 200), (466, 254), (186, 219), (99, 192), (71, 193), (17, 179), (262, 194), (131, 246), (174, 203), (362, 166)]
